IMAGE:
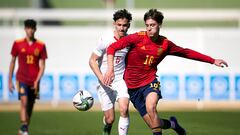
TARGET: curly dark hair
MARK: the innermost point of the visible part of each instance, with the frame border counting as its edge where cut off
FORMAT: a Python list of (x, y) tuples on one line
[(155, 15), (123, 13), (30, 23)]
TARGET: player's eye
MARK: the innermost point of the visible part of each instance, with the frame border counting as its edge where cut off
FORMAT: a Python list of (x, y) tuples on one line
[(152, 25)]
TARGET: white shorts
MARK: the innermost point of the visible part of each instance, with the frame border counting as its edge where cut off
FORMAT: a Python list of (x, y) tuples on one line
[(108, 96)]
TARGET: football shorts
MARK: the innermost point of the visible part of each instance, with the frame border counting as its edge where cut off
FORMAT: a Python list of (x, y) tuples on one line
[(109, 95), (138, 95), (26, 90)]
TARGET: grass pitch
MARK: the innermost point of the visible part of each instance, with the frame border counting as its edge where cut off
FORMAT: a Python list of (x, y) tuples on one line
[(122, 3), (90, 123), (139, 4)]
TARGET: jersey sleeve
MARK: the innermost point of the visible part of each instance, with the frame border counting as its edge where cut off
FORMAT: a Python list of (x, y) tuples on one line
[(14, 51), (43, 54), (188, 53), (123, 42), (100, 48)]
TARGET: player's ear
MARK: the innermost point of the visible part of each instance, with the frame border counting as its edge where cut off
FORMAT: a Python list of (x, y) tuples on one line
[(129, 24), (35, 29), (160, 26)]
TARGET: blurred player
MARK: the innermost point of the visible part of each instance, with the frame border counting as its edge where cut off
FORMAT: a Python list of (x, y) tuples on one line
[(147, 50), (118, 91), (31, 55), (110, 3)]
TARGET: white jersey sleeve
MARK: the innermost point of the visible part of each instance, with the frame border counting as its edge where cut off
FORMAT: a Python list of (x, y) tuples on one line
[(119, 58), (101, 47)]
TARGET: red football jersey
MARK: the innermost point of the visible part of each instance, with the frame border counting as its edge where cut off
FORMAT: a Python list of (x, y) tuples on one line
[(28, 59), (144, 56)]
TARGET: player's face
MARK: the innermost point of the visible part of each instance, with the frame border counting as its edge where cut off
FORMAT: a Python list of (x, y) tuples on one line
[(152, 27), (121, 26), (30, 32)]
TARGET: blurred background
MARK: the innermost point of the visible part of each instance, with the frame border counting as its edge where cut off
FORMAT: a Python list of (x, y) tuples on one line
[(71, 28)]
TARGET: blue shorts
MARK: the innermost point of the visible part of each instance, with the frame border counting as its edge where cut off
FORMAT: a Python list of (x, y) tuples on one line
[(138, 95), (26, 90)]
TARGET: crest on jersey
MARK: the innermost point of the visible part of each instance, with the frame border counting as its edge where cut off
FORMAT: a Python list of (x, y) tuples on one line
[(159, 52), (23, 50), (141, 33), (143, 47), (36, 52)]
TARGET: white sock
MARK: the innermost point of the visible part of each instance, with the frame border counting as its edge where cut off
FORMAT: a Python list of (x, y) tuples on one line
[(172, 124), (123, 125)]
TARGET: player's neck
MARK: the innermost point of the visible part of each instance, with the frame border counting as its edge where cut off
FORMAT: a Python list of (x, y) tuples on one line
[(30, 40), (154, 38), (117, 36)]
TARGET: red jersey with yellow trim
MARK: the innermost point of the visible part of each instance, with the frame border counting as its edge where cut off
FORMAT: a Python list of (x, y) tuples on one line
[(144, 56), (28, 59)]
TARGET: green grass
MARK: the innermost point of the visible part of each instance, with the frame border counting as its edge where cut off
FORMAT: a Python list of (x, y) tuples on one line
[(90, 123), (159, 4), (15, 3), (122, 3), (187, 4)]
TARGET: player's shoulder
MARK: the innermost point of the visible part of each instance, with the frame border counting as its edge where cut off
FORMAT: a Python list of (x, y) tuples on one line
[(39, 42), (106, 39), (20, 40), (141, 33), (163, 37), (107, 36), (165, 40)]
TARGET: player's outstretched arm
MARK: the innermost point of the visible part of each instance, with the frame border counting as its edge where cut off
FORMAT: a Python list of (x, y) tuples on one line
[(220, 63)]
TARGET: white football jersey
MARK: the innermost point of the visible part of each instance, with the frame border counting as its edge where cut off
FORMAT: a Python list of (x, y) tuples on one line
[(119, 58)]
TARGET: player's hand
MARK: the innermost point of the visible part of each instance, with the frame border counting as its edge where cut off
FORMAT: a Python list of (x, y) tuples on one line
[(10, 86), (108, 77), (35, 85), (101, 80), (220, 63)]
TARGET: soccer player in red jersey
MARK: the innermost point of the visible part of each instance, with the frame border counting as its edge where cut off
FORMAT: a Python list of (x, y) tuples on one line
[(31, 55), (147, 50)]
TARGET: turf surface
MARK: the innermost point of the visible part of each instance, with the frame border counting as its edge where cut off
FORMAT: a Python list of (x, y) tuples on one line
[(90, 123), (159, 4), (122, 3)]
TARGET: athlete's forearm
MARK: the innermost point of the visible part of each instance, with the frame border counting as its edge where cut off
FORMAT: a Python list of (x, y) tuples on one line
[(109, 76), (110, 62), (41, 70), (11, 68), (95, 68)]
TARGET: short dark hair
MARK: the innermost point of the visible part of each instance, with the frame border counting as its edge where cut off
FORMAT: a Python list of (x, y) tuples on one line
[(155, 15), (30, 23), (123, 13)]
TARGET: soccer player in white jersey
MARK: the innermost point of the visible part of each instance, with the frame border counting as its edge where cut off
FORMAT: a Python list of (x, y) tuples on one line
[(118, 90)]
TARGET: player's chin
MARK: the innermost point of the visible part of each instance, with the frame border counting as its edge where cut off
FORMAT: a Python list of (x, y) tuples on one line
[(121, 34), (150, 34)]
